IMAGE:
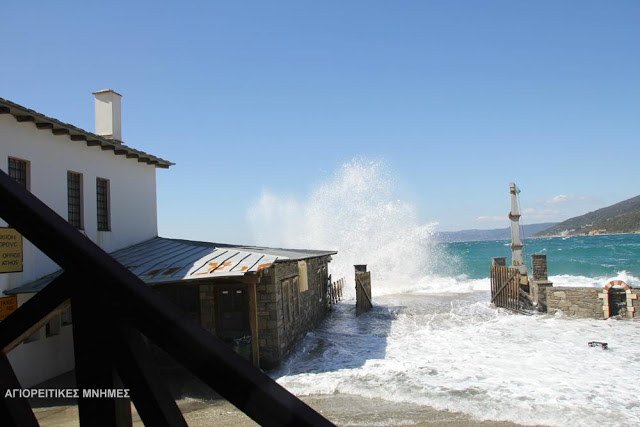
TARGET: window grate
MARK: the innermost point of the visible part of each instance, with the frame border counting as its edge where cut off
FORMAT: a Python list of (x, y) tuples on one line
[(74, 199), (102, 196), (18, 170)]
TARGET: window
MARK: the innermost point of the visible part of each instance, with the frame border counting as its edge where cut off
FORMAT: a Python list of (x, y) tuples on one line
[(102, 199), (65, 317), (53, 327), (74, 199), (296, 297), (286, 301), (19, 171)]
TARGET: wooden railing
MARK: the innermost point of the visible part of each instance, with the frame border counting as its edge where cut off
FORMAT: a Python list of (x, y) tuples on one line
[(111, 309), (335, 291)]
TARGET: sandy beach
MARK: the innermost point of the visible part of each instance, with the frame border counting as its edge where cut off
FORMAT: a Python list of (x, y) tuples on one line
[(342, 410)]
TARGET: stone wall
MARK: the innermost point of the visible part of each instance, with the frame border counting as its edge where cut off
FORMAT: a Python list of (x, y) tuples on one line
[(278, 334), (636, 303), (576, 302), (584, 302), (208, 307)]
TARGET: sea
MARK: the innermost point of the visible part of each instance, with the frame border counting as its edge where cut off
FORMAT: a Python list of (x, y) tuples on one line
[(442, 343), (433, 339)]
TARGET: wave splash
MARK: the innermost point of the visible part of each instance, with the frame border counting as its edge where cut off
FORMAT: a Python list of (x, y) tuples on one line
[(356, 213)]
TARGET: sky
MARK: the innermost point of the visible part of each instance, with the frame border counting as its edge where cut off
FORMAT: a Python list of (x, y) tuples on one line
[(456, 98)]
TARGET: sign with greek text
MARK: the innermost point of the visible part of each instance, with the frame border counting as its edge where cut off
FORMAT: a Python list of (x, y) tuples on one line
[(10, 251), (7, 306)]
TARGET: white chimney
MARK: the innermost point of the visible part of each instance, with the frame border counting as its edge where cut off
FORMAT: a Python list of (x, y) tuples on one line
[(107, 110)]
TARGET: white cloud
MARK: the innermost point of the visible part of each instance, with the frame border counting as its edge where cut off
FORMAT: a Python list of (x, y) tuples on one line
[(562, 198)]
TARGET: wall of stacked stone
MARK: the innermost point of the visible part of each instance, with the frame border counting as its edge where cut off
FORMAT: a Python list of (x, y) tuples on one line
[(313, 303), (278, 336), (635, 303), (268, 299), (208, 307), (575, 302), (583, 302)]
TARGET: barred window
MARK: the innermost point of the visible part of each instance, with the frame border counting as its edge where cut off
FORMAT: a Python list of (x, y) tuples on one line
[(74, 199), (102, 198), (19, 171)]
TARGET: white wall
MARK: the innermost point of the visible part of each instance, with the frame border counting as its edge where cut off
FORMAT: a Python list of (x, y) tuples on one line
[(133, 218)]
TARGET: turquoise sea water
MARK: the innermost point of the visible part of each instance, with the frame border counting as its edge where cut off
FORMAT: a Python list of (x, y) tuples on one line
[(593, 257)]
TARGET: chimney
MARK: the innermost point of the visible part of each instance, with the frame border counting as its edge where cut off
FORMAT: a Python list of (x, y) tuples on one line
[(107, 111)]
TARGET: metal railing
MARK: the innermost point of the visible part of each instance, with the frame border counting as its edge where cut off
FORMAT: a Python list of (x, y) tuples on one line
[(112, 308)]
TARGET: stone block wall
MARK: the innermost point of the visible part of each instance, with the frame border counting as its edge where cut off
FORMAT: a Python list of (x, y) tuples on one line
[(584, 302), (208, 308), (636, 303), (576, 302), (277, 335)]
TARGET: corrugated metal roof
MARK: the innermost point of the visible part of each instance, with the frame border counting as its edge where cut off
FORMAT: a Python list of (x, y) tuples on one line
[(43, 122), (169, 260)]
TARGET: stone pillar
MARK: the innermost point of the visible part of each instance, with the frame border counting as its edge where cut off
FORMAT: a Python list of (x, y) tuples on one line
[(539, 281)]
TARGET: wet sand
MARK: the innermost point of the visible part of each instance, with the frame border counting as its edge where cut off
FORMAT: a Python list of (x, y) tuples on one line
[(342, 410), (202, 407)]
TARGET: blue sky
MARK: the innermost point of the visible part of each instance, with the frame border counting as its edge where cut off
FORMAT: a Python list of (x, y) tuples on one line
[(456, 97)]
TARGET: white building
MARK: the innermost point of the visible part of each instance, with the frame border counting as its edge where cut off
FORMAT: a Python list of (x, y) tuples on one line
[(103, 187)]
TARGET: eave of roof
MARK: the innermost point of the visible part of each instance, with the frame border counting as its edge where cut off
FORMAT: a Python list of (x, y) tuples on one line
[(42, 122), (162, 260)]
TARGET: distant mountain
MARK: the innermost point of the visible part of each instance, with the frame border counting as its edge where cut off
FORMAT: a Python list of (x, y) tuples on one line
[(623, 217), (494, 234)]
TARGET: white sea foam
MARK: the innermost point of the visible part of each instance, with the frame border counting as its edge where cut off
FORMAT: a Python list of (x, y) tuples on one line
[(356, 213), (456, 352)]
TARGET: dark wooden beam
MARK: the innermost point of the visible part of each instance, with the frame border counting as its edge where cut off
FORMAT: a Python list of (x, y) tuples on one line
[(5, 110), (108, 147), (25, 118), (44, 125), (143, 160), (78, 137), (161, 166), (93, 143), (60, 131), (95, 368), (14, 411), (132, 156), (121, 151), (153, 400)]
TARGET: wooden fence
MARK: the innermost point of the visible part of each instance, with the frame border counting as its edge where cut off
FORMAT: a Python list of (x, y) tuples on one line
[(363, 292), (335, 291), (505, 287)]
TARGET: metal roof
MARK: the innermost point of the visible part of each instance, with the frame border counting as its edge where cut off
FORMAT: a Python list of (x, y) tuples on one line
[(42, 122), (170, 260)]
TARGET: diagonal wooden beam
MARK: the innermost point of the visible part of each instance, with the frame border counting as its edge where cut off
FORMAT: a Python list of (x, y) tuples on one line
[(14, 410), (153, 400), (94, 365), (35, 313)]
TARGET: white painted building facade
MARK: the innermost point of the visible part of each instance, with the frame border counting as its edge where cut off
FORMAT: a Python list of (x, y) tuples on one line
[(51, 150)]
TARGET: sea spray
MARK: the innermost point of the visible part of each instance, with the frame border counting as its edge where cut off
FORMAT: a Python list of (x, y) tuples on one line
[(357, 213)]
